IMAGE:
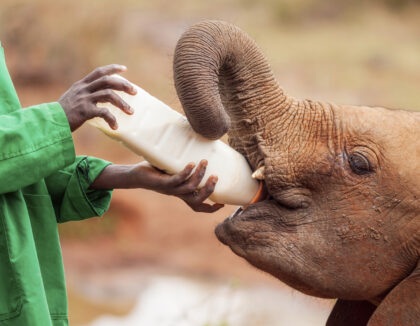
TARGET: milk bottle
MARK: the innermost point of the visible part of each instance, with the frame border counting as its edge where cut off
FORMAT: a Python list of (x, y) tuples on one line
[(165, 139)]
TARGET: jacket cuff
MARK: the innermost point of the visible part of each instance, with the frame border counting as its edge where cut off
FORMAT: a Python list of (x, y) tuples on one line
[(87, 202)]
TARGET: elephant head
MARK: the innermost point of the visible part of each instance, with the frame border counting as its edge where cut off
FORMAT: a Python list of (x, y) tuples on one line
[(343, 216)]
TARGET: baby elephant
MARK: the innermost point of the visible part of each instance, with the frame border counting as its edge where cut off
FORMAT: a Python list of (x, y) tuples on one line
[(343, 216)]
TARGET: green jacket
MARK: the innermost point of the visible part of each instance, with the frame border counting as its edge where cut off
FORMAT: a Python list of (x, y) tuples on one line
[(42, 182)]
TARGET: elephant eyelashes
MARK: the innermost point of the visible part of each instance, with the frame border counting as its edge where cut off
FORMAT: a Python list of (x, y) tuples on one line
[(359, 164)]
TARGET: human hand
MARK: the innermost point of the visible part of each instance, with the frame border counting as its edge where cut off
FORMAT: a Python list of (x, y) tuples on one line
[(181, 185), (79, 102), (144, 175)]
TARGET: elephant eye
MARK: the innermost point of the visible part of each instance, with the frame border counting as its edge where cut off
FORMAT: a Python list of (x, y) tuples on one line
[(359, 163)]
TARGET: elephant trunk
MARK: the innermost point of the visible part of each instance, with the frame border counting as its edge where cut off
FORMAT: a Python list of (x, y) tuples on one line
[(223, 78)]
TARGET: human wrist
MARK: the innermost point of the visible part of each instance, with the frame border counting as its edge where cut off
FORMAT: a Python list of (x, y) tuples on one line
[(115, 177)]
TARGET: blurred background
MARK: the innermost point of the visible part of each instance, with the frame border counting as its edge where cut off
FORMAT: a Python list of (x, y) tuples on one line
[(151, 260)]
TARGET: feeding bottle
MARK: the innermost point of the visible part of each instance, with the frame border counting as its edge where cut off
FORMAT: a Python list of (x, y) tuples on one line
[(165, 139)]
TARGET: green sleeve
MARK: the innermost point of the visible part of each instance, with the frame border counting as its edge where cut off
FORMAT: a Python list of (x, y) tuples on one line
[(34, 142), (69, 189)]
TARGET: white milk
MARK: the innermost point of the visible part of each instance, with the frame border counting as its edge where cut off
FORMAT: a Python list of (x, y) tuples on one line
[(166, 140)]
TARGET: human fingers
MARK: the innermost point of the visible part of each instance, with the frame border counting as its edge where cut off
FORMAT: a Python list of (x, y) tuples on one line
[(106, 115), (103, 71), (109, 96), (180, 177), (111, 82), (205, 192), (196, 199), (206, 208), (194, 180)]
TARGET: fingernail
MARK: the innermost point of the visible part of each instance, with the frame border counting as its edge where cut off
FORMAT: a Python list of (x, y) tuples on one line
[(215, 178), (130, 110), (133, 91), (123, 67)]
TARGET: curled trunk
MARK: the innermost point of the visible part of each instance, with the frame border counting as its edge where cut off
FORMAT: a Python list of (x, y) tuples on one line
[(224, 81)]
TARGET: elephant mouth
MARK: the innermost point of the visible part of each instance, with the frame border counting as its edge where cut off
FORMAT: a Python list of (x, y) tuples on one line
[(237, 212), (224, 231), (253, 225), (234, 228)]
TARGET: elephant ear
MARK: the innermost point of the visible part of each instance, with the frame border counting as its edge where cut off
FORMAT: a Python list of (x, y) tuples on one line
[(402, 305)]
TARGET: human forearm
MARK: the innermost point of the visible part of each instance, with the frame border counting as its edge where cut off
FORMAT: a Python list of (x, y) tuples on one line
[(116, 177), (183, 184)]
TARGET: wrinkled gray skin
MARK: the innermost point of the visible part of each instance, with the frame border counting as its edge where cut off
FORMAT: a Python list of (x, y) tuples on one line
[(343, 216)]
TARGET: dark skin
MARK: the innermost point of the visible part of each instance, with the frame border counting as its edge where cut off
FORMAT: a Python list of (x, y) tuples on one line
[(80, 104), (181, 185), (350, 313), (343, 216)]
